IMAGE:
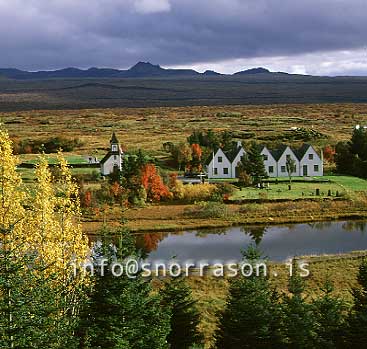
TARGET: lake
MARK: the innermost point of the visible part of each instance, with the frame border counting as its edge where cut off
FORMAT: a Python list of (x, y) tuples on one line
[(278, 243)]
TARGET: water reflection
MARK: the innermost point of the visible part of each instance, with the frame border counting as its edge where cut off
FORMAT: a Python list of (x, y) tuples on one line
[(277, 242)]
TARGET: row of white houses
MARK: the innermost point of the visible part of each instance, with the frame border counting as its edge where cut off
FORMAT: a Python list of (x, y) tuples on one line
[(307, 162), (225, 164)]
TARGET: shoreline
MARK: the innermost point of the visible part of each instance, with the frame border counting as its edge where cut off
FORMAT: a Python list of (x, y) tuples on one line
[(146, 226)]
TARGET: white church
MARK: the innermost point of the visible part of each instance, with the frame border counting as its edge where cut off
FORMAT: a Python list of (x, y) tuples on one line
[(308, 162), (113, 159)]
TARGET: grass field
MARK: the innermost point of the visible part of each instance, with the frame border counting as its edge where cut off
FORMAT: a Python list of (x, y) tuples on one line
[(338, 184), (149, 128)]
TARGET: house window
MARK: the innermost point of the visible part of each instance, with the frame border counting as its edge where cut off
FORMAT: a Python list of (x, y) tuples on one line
[(282, 169), (114, 148), (215, 171), (220, 159), (288, 157), (271, 169), (115, 157), (316, 168), (265, 157), (310, 156), (225, 170)]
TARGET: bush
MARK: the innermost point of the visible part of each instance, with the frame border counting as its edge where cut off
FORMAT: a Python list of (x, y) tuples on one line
[(208, 209), (225, 189), (48, 145)]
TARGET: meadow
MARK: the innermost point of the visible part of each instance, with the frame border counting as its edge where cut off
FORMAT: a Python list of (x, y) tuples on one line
[(149, 128)]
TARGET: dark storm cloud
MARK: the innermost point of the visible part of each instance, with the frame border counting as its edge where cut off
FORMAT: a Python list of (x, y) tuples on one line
[(39, 34)]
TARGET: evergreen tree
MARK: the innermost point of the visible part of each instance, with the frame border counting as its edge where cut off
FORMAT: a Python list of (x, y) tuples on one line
[(357, 321), (253, 163), (123, 313), (358, 143), (185, 317), (299, 323), (252, 317), (344, 159), (328, 313)]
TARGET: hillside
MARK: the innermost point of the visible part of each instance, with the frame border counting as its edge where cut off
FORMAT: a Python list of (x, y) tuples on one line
[(171, 91)]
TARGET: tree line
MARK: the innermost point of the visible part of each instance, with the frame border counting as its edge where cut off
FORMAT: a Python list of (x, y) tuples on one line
[(351, 156)]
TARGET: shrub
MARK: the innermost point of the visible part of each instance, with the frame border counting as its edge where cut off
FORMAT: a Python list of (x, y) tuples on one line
[(225, 189), (198, 192), (208, 209)]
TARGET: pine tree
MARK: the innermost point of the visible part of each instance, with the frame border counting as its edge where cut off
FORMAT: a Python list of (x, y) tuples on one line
[(299, 323), (253, 163), (123, 313), (357, 321), (252, 317), (328, 313), (185, 317)]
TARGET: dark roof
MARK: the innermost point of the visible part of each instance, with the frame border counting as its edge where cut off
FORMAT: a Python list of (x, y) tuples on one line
[(231, 154), (277, 153), (108, 155), (114, 139), (300, 152)]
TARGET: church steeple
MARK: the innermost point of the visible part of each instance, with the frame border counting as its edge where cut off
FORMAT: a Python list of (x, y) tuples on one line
[(114, 139), (115, 145)]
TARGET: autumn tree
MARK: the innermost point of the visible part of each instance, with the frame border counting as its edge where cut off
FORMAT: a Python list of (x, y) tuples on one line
[(153, 184), (182, 154), (196, 162), (329, 153), (41, 230)]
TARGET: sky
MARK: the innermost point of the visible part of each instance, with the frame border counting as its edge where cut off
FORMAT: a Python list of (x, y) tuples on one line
[(318, 37)]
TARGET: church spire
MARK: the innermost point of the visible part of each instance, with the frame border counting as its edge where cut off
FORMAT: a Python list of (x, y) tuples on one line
[(114, 139)]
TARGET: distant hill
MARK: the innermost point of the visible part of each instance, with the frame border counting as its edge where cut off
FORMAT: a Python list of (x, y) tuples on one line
[(253, 71), (139, 70), (211, 73)]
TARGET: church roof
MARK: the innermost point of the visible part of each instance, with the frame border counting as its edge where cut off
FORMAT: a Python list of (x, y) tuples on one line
[(114, 138)]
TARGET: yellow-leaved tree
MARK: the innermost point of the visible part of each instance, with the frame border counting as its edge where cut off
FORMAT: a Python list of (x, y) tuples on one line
[(12, 194), (41, 221)]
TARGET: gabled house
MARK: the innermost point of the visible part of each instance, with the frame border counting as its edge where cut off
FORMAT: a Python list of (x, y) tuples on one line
[(281, 156), (224, 164), (310, 163), (219, 166), (270, 163), (307, 162), (113, 159)]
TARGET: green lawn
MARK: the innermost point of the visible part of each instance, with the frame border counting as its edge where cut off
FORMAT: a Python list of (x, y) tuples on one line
[(349, 182), (340, 184), (281, 191), (52, 158)]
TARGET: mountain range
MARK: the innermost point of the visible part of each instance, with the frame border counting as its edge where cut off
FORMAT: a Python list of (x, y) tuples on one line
[(139, 70)]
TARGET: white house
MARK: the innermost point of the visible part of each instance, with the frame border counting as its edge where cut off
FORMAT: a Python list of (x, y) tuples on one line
[(310, 163), (283, 154), (219, 166), (270, 163), (224, 164), (113, 159), (307, 162)]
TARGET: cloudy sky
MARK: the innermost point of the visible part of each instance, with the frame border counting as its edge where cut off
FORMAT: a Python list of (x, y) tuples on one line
[(323, 37)]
